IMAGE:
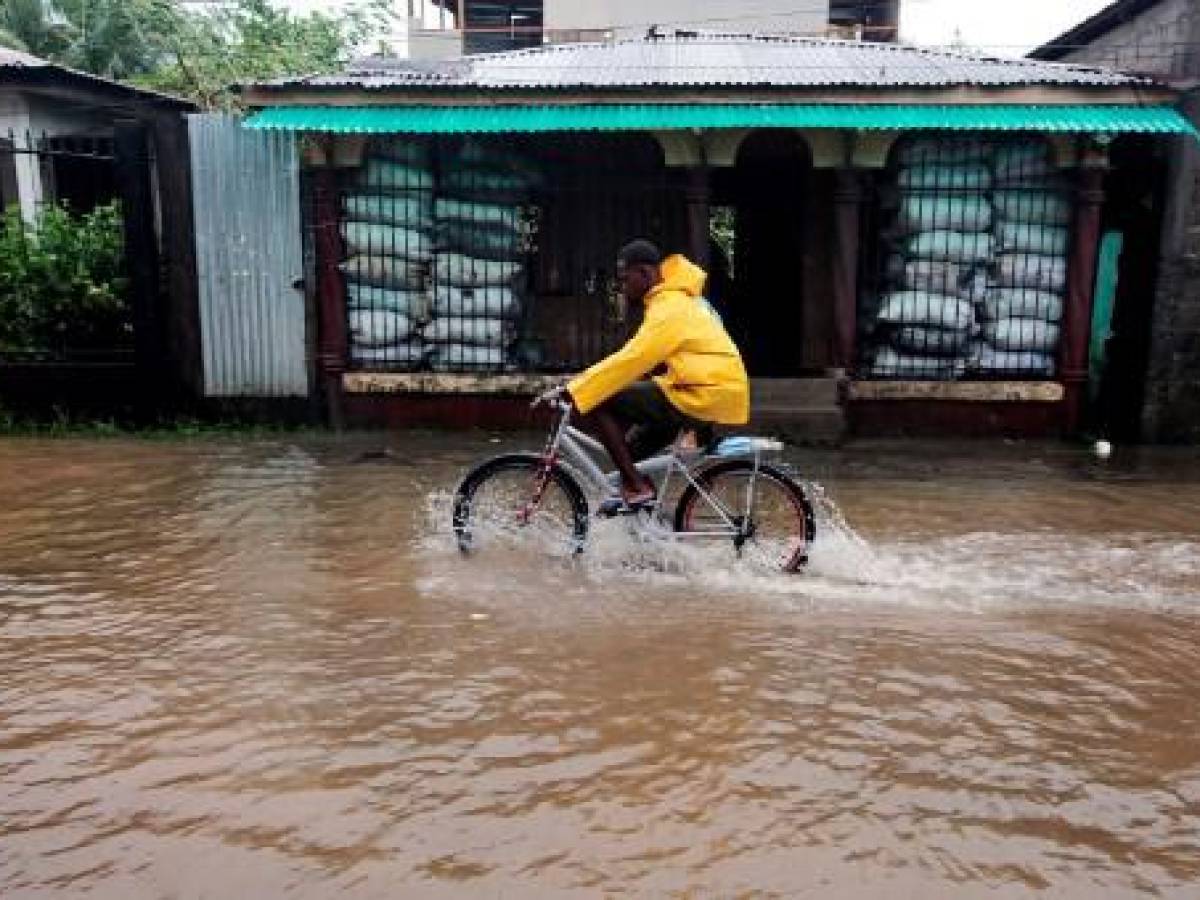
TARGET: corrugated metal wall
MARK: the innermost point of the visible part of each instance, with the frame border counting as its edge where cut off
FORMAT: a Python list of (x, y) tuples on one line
[(248, 259)]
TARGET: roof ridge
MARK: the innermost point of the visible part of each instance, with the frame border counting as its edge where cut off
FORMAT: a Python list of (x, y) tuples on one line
[(700, 36)]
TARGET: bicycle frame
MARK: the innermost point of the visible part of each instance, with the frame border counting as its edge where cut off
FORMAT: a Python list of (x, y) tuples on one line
[(579, 452)]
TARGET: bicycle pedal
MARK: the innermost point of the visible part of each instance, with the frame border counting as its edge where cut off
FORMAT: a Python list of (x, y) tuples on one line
[(612, 510)]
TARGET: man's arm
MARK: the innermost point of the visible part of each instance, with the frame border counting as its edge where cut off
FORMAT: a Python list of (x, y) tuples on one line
[(653, 343)]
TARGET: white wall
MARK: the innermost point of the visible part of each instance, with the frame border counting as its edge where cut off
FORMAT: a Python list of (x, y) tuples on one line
[(632, 18), (31, 118)]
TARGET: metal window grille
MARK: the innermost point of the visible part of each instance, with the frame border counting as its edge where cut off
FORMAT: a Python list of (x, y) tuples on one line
[(969, 270), (491, 255), (46, 316)]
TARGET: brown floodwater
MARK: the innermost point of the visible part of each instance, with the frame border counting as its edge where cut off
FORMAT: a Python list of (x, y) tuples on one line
[(260, 669)]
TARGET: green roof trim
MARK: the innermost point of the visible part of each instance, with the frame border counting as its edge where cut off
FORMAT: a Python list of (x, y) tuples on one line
[(495, 118)]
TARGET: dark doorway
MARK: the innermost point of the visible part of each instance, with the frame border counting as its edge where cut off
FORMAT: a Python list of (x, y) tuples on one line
[(763, 306), (1134, 207)]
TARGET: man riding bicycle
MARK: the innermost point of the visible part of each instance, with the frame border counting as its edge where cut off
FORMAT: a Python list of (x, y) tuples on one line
[(704, 383)]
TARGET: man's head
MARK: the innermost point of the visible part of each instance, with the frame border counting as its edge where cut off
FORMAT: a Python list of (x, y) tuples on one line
[(638, 269)]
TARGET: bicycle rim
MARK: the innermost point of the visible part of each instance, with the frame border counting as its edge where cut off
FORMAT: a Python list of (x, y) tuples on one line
[(513, 503), (772, 512)]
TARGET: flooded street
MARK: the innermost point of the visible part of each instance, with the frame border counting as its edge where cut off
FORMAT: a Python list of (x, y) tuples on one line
[(260, 668)]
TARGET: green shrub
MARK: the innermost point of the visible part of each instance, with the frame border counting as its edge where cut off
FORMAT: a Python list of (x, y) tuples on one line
[(62, 282)]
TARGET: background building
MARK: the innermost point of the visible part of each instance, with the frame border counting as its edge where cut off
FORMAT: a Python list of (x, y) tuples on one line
[(495, 25), (1159, 38)]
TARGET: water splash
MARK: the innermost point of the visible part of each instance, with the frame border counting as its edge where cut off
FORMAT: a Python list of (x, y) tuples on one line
[(967, 572)]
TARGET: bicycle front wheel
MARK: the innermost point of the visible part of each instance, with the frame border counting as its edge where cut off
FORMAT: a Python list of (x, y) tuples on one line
[(761, 510), (514, 500)]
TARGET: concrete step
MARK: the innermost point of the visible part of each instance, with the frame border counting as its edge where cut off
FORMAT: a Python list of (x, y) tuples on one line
[(802, 392), (824, 424)]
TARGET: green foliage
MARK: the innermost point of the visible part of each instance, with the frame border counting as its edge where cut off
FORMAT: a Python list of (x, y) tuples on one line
[(253, 40), (35, 27), (198, 53), (62, 285)]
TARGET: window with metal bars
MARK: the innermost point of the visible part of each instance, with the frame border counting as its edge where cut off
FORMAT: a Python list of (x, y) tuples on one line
[(969, 270), (494, 254)]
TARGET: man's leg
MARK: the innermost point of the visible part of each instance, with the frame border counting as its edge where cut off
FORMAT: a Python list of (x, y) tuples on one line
[(610, 431)]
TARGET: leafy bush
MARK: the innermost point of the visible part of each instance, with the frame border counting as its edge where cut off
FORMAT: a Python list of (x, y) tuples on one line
[(62, 284)]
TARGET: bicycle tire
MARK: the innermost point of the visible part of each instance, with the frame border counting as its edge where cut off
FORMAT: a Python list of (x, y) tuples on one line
[(796, 556), (477, 478)]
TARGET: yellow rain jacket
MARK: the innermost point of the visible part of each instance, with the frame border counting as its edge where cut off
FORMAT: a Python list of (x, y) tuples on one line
[(705, 377)]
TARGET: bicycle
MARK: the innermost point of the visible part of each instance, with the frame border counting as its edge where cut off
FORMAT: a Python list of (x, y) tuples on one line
[(733, 496)]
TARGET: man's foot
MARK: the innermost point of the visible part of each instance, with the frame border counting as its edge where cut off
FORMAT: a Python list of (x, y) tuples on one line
[(626, 503)]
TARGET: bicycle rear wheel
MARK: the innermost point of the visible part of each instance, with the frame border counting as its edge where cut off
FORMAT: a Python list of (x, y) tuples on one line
[(515, 500), (774, 520)]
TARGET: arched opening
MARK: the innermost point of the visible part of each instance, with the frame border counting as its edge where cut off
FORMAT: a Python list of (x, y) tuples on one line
[(603, 190), (756, 269)]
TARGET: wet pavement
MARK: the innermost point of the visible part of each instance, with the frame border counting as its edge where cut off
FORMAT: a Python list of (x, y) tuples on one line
[(260, 668)]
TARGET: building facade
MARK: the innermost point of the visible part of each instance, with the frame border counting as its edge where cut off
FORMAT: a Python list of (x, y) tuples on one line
[(488, 26), (1160, 38), (920, 229)]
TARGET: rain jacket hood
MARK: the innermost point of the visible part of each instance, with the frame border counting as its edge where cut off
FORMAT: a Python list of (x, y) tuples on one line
[(705, 377)]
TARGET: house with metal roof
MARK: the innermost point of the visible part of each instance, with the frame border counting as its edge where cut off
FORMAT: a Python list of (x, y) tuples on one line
[(908, 238), (1152, 387), (46, 107)]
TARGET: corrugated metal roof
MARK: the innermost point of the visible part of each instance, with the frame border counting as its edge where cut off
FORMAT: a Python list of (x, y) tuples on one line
[(709, 60), (1104, 21), (16, 59), (27, 69), (636, 117)]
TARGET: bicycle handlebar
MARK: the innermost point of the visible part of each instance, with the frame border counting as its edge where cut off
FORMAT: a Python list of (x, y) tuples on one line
[(556, 397)]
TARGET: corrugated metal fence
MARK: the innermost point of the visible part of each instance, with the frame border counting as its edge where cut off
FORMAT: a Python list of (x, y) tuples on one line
[(249, 259)]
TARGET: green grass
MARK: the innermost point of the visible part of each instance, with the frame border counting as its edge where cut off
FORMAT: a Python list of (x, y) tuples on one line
[(59, 424)]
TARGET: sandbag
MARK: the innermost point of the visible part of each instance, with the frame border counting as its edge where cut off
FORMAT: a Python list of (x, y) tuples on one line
[(890, 363), (484, 184), (404, 355), (386, 240), (482, 241), (468, 271), (943, 152), (413, 211), (492, 302), (966, 177), (477, 155), (928, 212), (926, 341), (376, 327), (1039, 207), (923, 308), (468, 357), (1022, 163), (385, 271), (483, 332), (1026, 335), (1004, 303), (414, 304), (413, 152), (956, 246), (933, 275), (991, 361), (1027, 237), (385, 175), (1032, 270), (501, 215)]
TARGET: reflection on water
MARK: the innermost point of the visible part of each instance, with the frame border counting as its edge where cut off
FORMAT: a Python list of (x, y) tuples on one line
[(258, 669)]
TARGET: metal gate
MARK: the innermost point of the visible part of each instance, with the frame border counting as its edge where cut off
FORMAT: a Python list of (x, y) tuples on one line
[(249, 259)]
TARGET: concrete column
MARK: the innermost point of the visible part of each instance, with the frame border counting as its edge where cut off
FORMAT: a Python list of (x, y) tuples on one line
[(1081, 284), (848, 201), (698, 195), (332, 340)]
